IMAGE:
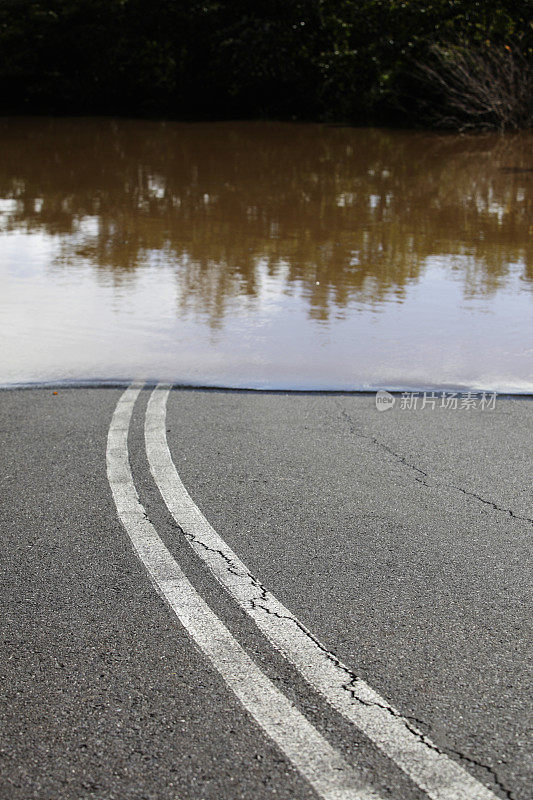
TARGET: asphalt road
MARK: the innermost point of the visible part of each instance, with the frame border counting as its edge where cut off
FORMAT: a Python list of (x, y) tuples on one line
[(400, 540)]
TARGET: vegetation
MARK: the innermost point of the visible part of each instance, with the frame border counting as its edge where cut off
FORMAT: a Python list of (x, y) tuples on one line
[(479, 87), (351, 60)]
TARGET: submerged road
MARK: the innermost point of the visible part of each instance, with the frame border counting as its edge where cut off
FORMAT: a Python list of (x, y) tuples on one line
[(215, 594)]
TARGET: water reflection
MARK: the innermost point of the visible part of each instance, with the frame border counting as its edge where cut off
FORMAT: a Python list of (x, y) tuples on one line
[(346, 221)]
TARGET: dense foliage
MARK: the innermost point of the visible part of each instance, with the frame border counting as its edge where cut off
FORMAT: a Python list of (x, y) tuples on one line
[(353, 60)]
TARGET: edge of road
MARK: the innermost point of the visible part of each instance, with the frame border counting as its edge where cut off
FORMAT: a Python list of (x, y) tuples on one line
[(188, 387)]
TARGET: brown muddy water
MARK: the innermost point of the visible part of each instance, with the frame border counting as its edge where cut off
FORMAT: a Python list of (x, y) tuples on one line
[(265, 255)]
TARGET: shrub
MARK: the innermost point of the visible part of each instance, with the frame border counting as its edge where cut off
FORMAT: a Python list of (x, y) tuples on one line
[(478, 87)]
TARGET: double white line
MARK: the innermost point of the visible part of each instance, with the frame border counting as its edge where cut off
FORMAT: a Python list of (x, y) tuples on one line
[(323, 767)]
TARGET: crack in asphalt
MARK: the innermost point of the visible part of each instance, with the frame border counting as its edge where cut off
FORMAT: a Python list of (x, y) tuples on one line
[(376, 441), (428, 742), (232, 568), (495, 506), (402, 460), (351, 687)]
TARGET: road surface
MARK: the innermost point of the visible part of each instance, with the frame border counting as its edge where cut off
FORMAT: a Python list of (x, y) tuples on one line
[(215, 594)]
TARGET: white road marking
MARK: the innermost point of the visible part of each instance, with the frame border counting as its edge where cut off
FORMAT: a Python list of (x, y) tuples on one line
[(318, 762), (439, 776)]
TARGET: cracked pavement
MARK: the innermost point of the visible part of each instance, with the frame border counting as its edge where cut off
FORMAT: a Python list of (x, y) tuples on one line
[(401, 540)]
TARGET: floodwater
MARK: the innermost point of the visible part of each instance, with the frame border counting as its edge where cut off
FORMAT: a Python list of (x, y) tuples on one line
[(265, 255)]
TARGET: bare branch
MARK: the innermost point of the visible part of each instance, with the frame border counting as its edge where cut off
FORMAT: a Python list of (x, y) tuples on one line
[(483, 87)]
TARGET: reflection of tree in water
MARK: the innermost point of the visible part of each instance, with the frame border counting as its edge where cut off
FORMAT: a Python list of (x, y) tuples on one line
[(337, 214)]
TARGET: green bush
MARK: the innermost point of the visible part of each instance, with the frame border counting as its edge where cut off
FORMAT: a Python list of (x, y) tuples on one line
[(308, 59)]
